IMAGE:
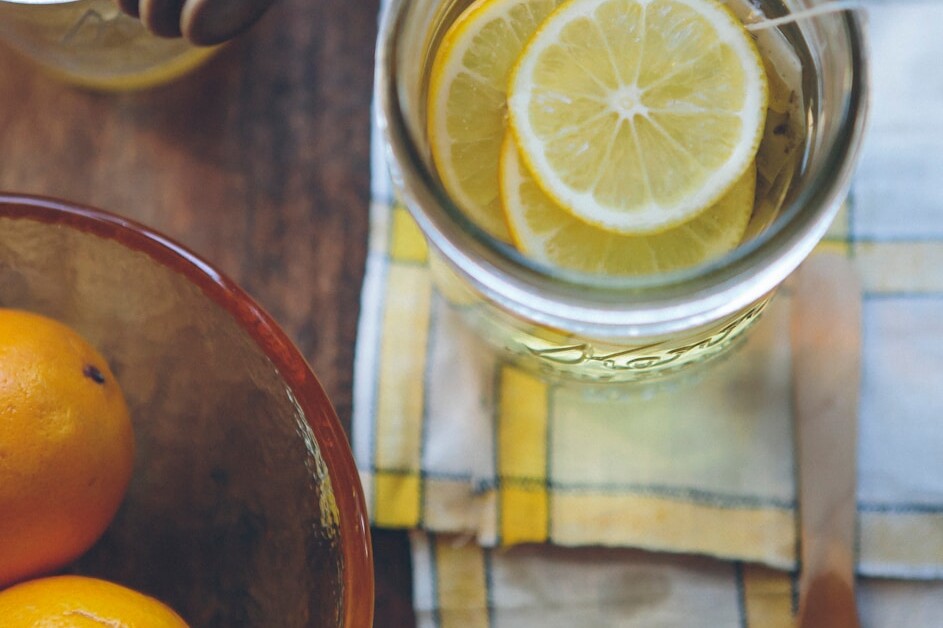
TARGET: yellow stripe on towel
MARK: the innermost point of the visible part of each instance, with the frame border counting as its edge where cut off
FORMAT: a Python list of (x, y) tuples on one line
[(522, 457), (767, 597), (900, 267), (401, 397), (462, 585), (407, 242), (661, 523), (400, 502), (880, 540)]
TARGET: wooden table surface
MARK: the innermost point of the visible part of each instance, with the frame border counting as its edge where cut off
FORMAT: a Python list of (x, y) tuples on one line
[(258, 161)]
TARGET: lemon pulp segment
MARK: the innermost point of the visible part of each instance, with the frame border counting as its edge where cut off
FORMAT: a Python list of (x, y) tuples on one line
[(546, 233), (467, 101)]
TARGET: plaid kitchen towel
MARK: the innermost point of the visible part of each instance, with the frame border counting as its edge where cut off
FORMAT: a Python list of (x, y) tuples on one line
[(453, 441), (460, 584)]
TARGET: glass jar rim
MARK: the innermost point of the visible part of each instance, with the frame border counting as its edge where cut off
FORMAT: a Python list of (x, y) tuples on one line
[(621, 306)]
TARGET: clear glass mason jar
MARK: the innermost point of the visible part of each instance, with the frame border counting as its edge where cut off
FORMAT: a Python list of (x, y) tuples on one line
[(619, 329), (93, 44)]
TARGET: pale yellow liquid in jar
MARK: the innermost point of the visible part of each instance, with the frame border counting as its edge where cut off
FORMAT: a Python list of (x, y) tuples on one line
[(575, 356), (93, 44)]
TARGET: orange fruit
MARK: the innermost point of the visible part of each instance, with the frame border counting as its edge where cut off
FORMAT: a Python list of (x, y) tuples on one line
[(81, 602), (66, 445)]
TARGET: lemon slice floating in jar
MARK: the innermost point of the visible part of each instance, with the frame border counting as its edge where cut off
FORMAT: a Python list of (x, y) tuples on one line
[(544, 232), (467, 101), (638, 115)]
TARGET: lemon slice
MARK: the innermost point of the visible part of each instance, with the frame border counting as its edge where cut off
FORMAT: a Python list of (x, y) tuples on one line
[(467, 107), (636, 115), (545, 232)]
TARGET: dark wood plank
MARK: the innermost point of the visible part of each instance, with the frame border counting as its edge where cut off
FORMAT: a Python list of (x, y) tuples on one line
[(258, 161)]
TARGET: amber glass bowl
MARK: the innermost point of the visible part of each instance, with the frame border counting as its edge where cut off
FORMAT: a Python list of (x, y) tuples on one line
[(245, 508)]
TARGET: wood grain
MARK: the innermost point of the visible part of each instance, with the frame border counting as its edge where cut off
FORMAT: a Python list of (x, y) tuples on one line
[(258, 161)]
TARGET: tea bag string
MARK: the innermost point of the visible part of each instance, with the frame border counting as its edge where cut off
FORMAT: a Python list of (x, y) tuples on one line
[(834, 6)]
